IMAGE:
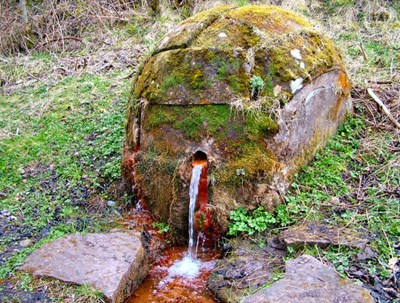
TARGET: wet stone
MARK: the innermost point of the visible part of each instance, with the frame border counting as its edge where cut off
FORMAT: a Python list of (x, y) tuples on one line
[(307, 280), (244, 268), (114, 263), (322, 235)]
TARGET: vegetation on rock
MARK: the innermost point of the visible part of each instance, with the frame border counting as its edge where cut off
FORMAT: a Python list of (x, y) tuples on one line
[(62, 103)]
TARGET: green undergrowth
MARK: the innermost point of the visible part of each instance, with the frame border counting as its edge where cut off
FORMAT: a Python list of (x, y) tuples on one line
[(259, 220), (60, 155)]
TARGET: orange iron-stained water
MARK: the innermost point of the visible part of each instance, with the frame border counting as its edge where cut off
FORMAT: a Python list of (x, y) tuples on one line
[(180, 274), (174, 278)]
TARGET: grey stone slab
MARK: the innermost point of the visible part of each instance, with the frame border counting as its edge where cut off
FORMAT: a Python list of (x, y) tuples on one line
[(114, 263), (308, 280), (314, 233)]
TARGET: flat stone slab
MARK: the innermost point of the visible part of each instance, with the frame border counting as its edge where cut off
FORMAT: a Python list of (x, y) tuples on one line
[(114, 263), (308, 280), (313, 233), (246, 268)]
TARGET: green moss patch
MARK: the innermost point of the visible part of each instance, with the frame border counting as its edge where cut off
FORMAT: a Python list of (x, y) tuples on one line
[(218, 121), (278, 64), (252, 162), (227, 34), (154, 169), (229, 46), (193, 76), (269, 19), (189, 29)]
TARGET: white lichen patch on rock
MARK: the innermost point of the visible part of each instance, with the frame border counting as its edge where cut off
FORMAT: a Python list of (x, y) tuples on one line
[(297, 84), (296, 54)]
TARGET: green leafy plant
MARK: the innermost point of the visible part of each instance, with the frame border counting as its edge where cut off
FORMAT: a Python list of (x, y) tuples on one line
[(241, 221), (162, 227), (256, 82), (26, 283)]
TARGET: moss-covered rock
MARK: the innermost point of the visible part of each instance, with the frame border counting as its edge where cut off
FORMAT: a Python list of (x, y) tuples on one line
[(254, 88)]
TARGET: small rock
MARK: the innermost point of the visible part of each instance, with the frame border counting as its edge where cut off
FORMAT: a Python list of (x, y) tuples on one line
[(366, 254), (277, 90), (247, 67), (115, 264), (314, 233), (26, 243), (5, 213), (245, 268), (110, 203), (309, 280)]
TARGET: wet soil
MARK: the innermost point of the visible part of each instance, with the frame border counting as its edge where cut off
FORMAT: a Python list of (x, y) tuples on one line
[(159, 287)]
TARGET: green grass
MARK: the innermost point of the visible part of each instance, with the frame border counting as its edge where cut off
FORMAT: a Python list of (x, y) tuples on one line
[(61, 150)]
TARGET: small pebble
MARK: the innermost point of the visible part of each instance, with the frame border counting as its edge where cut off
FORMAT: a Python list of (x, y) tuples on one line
[(5, 212), (26, 243), (110, 203)]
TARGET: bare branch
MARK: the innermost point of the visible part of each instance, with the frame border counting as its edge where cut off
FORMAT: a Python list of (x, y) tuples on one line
[(383, 106)]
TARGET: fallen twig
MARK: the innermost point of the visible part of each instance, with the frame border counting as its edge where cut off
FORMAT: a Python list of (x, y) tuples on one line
[(365, 56), (57, 40), (130, 75), (383, 106)]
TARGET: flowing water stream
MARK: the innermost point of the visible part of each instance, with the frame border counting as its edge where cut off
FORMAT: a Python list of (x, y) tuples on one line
[(180, 274), (193, 192)]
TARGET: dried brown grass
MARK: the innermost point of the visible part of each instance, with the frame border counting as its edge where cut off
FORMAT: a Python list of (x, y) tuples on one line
[(58, 25)]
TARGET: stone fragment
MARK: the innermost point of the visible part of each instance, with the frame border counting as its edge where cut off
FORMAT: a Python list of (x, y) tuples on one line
[(245, 268), (26, 243), (307, 280), (366, 254), (314, 233), (114, 263), (110, 203)]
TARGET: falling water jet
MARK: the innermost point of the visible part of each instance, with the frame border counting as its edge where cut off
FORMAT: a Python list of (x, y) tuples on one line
[(193, 192), (190, 266)]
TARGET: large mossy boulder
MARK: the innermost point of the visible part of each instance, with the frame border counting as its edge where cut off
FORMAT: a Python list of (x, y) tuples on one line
[(254, 90)]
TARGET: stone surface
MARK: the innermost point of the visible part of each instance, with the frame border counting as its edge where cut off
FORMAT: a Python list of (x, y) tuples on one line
[(196, 93), (113, 263), (246, 267), (314, 233), (307, 280)]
